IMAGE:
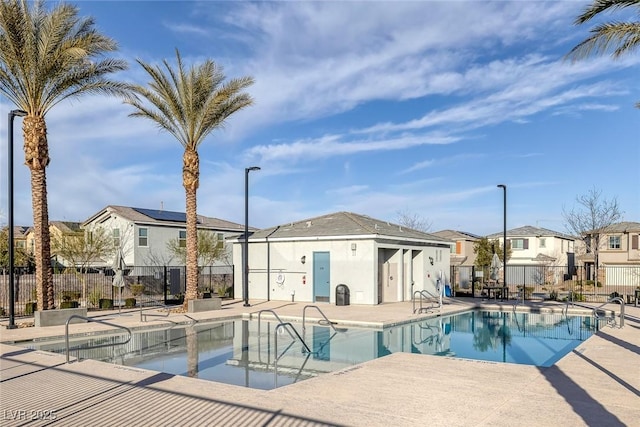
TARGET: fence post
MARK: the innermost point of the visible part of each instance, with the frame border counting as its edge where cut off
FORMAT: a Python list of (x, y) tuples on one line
[(164, 284)]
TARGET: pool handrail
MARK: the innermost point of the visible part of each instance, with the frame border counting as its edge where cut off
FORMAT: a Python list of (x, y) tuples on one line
[(304, 312), (89, 319), (612, 320), (274, 315), (423, 295)]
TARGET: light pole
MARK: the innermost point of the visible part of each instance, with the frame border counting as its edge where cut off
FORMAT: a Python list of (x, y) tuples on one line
[(504, 237), (245, 252), (12, 114)]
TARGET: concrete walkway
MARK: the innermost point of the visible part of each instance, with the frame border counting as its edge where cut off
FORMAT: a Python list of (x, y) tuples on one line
[(597, 384)]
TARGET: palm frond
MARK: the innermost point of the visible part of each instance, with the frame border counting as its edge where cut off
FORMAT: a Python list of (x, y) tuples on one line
[(189, 102), (617, 37), (599, 6)]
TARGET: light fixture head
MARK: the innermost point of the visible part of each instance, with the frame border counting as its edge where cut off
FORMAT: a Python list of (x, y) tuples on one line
[(252, 168), (18, 113), (303, 259)]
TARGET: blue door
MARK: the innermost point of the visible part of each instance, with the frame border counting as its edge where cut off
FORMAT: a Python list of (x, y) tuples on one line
[(321, 277)]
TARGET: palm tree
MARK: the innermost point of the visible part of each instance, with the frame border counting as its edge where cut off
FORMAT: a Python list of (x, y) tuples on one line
[(189, 104), (46, 57), (618, 37)]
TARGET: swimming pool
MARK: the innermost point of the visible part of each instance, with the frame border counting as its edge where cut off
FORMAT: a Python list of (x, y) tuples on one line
[(243, 352)]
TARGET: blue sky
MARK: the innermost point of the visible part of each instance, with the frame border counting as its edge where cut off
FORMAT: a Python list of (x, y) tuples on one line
[(376, 108)]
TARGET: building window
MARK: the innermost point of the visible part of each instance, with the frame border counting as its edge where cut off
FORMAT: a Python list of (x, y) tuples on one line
[(453, 248), (517, 244), (614, 242), (21, 244), (116, 237), (543, 242), (182, 239), (143, 238), (219, 241)]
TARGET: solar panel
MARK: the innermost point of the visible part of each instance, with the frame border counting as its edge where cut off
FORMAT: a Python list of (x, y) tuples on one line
[(163, 215)]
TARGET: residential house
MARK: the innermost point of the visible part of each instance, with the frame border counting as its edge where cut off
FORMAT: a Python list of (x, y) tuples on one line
[(462, 256), (57, 229), (20, 233), (143, 234), (462, 243), (536, 246), (307, 260), (618, 254)]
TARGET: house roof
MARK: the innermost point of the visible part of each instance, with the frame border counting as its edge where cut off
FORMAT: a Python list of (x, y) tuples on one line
[(66, 226), (528, 231), (343, 224), (456, 235), (162, 217), (623, 227), (20, 230)]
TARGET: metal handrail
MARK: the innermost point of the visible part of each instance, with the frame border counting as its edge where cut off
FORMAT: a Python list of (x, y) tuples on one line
[(89, 319), (285, 325), (304, 312), (277, 318), (613, 317), (423, 295)]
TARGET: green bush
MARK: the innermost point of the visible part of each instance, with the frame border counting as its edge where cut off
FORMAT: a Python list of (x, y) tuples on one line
[(577, 296), (30, 307), (95, 296), (71, 295), (69, 304), (137, 289), (129, 302), (106, 304)]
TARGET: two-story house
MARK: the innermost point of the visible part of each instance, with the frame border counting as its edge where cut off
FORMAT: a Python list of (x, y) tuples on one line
[(536, 246), (57, 229), (618, 253), (461, 247), (143, 234)]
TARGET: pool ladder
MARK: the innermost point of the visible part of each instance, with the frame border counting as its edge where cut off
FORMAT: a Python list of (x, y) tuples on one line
[(89, 319), (610, 316), (424, 295), (293, 333)]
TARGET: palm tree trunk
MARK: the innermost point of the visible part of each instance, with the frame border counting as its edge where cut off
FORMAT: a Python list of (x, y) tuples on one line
[(37, 158), (191, 181)]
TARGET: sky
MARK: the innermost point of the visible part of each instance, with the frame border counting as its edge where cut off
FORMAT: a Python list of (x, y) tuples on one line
[(381, 108)]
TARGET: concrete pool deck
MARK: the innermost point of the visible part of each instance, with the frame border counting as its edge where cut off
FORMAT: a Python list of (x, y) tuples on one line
[(596, 384)]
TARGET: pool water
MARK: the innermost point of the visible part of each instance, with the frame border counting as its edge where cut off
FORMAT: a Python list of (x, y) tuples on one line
[(261, 355)]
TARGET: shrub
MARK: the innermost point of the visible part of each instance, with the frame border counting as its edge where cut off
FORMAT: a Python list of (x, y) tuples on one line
[(129, 302), (70, 295), (30, 307), (94, 297), (137, 289), (106, 304), (69, 304)]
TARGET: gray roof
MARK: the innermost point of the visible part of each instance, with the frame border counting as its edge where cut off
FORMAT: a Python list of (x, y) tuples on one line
[(343, 224), (134, 215), (623, 227), (528, 231), (456, 235), (66, 226)]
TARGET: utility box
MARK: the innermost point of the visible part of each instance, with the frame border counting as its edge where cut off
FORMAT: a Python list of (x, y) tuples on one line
[(342, 295)]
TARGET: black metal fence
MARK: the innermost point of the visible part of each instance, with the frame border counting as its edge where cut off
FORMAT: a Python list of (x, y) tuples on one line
[(143, 286), (551, 282)]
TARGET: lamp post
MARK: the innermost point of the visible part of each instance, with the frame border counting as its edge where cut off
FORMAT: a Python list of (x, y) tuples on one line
[(12, 114), (504, 237), (245, 252)]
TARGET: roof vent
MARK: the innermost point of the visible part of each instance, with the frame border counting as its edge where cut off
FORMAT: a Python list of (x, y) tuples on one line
[(375, 226), (308, 224)]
